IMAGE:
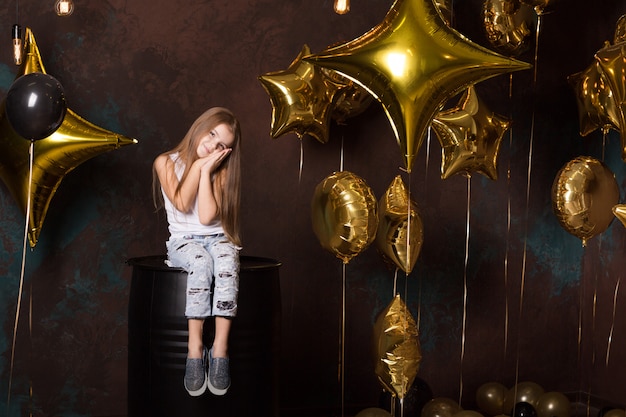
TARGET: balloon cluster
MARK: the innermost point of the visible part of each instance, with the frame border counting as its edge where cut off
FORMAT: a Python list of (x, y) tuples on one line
[(524, 399), (412, 62), (346, 219)]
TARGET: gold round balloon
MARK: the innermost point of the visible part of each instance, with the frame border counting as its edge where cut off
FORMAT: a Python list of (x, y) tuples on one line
[(509, 25), (490, 398), (400, 229), (344, 214), (584, 193), (398, 352), (412, 63), (553, 404), (440, 407), (527, 391)]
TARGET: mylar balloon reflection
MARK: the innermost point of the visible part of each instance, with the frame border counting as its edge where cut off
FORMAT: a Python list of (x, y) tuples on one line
[(470, 136), (74, 142), (412, 63), (398, 352), (584, 193), (400, 229), (344, 214)]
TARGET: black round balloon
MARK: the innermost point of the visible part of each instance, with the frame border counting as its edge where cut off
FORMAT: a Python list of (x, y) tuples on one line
[(35, 105), (523, 409)]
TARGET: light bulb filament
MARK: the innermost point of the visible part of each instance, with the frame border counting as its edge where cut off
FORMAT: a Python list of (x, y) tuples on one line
[(342, 6)]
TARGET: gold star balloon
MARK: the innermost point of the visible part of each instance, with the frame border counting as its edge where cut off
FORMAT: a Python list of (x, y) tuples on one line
[(74, 142), (470, 136), (412, 63), (612, 61), (597, 108), (301, 98)]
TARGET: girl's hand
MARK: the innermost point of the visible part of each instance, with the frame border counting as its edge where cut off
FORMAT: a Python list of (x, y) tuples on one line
[(211, 162)]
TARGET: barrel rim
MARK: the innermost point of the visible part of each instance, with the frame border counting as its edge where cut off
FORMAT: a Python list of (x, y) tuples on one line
[(157, 263)]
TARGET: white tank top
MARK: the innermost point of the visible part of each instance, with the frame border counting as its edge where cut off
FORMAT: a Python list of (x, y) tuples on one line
[(183, 224)]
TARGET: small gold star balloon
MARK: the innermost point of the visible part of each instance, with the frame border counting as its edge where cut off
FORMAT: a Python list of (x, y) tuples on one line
[(412, 63), (470, 136), (74, 142), (597, 107), (612, 61), (301, 98)]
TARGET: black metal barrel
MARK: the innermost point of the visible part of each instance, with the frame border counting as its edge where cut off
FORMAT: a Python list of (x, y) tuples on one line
[(157, 343)]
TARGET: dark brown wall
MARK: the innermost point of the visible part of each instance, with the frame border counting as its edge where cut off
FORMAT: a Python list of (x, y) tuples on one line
[(146, 69)]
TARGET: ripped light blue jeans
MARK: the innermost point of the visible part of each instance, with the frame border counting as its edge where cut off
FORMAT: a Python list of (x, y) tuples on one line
[(205, 258)]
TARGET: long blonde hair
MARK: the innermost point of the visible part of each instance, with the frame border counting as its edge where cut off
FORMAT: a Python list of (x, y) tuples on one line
[(226, 178)]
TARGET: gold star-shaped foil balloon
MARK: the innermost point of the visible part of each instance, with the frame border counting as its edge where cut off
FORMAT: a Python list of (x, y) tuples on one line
[(74, 142), (400, 231), (412, 63), (301, 98), (612, 61), (398, 352), (470, 136), (597, 108)]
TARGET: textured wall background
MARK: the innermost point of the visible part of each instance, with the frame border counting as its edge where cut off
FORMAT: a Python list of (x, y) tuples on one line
[(147, 69)]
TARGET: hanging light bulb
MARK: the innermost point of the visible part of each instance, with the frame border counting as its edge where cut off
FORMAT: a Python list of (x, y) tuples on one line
[(64, 7), (342, 6), (17, 44)]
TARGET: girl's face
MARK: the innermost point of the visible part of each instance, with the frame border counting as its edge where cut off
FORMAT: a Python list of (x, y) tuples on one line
[(218, 139)]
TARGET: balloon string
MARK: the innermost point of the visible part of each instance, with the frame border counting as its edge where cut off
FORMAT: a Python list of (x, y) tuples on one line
[(31, 152), (580, 329), (419, 278), (467, 238), (427, 159), (508, 229), (395, 282), (608, 344), (343, 339), (301, 160), (526, 217), (341, 156)]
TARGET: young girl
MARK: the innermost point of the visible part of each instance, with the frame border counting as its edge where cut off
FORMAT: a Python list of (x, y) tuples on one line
[(199, 181)]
